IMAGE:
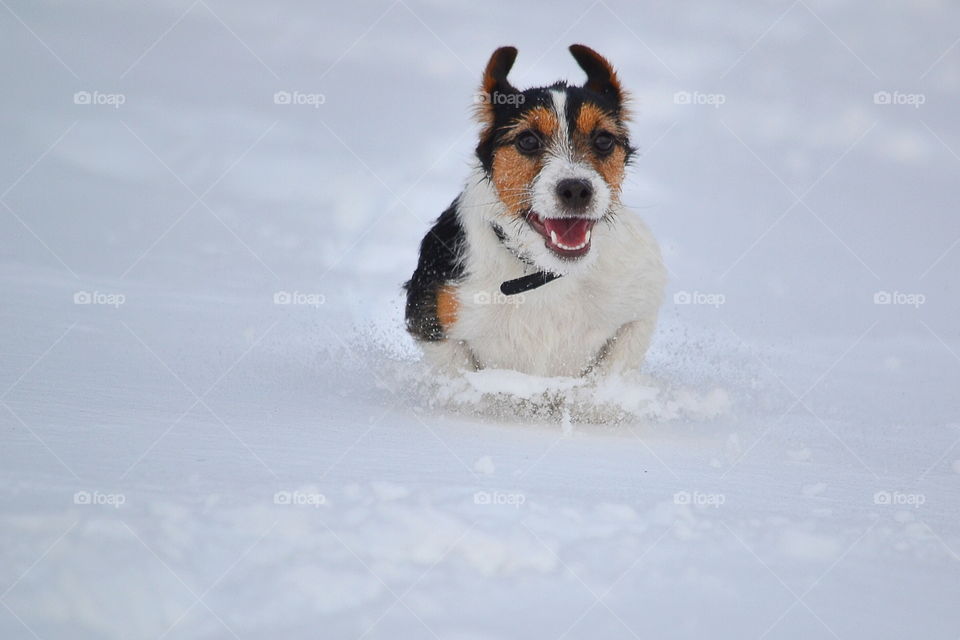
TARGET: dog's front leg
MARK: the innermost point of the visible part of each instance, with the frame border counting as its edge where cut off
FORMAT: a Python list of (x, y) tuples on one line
[(450, 356), (626, 349)]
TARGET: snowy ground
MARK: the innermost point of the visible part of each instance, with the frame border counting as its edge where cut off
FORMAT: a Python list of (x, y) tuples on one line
[(184, 458)]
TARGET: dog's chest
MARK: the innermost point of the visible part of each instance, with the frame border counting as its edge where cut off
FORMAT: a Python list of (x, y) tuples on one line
[(558, 329)]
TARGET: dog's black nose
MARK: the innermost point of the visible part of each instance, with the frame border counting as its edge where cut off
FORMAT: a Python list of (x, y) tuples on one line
[(574, 193)]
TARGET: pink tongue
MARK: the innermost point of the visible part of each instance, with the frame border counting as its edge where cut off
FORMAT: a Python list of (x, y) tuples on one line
[(570, 231)]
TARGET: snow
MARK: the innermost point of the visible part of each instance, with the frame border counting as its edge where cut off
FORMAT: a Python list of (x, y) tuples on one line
[(213, 425)]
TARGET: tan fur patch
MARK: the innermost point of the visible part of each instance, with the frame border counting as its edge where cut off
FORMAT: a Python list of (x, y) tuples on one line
[(513, 173), (541, 119), (593, 117), (448, 306), (611, 168)]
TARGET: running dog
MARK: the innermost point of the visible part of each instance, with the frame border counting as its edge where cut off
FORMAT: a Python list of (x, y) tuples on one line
[(537, 266)]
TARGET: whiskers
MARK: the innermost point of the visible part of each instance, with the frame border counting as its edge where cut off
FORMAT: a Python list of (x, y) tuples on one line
[(609, 217), (522, 199)]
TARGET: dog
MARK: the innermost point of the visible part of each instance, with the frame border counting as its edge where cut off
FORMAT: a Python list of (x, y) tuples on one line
[(537, 266)]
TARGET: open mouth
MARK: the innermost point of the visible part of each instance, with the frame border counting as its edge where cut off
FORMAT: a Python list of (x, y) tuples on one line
[(567, 237)]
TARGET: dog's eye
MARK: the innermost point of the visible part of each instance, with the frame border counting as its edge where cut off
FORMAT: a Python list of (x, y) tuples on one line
[(603, 142), (528, 142)]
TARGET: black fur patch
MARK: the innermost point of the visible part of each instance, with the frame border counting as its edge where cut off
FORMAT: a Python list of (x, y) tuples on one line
[(440, 263)]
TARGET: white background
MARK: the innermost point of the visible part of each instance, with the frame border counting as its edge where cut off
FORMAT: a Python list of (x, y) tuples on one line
[(780, 413)]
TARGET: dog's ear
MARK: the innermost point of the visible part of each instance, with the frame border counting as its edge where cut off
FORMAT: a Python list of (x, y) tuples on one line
[(495, 82), (600, 74), (495, 75)]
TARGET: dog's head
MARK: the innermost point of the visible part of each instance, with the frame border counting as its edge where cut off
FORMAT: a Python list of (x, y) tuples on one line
[(556, 157)]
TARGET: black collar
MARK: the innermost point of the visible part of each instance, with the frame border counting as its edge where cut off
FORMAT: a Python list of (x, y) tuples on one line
[(523, 283)]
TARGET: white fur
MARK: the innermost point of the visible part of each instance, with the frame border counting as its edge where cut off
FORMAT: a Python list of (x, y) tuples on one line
[(561, 328)]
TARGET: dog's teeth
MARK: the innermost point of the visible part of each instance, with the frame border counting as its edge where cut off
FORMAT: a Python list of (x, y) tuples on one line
[(569, 248), (556, 242)]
